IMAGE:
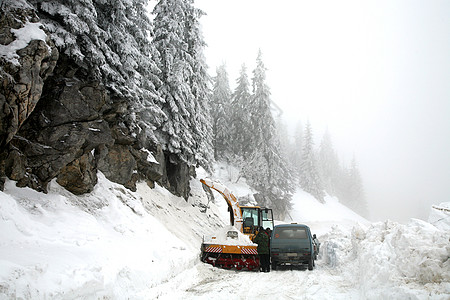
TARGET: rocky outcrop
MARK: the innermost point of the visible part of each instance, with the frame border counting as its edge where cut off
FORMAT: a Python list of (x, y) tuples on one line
[(57, 122), (175, 176), (65, 126), (23, 73), (80, 175)]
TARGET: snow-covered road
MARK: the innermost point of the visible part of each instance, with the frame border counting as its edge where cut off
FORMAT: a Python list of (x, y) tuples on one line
[(206, 282), (354, 267), (385, 261)]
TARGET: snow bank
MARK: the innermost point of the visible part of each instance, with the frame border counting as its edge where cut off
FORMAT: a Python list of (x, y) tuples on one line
[(440, 216), (407, 261), (107, 244)]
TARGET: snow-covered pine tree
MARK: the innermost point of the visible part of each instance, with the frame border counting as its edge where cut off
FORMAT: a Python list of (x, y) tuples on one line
[(169, 29), (355, 193), (328, 164), (129, 31), (286, 148), (295, 151), (283, 136), (221, 105), (262, 125), (239, 116), (309, 175), (110, 44), (74, 29), (199, 81), (187, 133), (266, 169)]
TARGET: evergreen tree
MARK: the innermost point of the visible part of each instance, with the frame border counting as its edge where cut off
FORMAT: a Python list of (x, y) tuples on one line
[(328, 164), (283, 137), (199, 82), (355, 195), (309, 175), (128, 30), (240, 118), (262, 124), (221, 100), (74, 28), (266, 169), (178, 41), (295, 154), (350, 190), (109, 41)]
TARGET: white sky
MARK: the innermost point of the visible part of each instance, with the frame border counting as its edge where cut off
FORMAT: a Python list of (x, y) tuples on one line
[(376, 73)]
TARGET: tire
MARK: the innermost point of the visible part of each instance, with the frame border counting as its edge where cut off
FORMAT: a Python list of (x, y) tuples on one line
[(311, 264), (274, 265)]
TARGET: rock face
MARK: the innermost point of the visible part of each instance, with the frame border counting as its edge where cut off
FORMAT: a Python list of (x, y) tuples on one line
[(23, 77), (57, 123)]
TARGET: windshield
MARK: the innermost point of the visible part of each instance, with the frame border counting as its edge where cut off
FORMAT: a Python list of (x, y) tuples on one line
[(250, 216), (290, 233)]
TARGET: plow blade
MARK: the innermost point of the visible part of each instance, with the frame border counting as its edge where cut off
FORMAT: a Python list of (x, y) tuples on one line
[(229, 257)]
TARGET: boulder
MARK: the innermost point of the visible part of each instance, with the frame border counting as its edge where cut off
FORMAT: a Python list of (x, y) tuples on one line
[(80, 176), (118, 165)]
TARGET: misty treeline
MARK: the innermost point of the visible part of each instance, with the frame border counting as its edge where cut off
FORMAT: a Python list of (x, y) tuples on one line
[(156, 62), (250, 134)]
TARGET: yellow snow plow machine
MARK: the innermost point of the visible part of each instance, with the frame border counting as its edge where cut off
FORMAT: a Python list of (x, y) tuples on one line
[(232, 247)]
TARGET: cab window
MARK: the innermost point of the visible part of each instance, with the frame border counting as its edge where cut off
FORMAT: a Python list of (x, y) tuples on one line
[(267, 219), (250, 215), (290, 233)]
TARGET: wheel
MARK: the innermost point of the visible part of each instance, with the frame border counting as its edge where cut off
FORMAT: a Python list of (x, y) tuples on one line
[(274, 265), (311, 264)]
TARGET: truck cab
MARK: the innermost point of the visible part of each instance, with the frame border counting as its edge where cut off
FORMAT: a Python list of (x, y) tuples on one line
[(291, 244), (254, 217)]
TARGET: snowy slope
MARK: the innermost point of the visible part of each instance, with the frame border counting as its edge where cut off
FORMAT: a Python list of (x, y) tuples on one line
[(321, 217), (109, 243), (118, 244)]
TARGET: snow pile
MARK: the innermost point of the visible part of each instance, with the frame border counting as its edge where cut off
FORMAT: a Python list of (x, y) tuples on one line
[(221, 238), (408, 261), (440, 216)]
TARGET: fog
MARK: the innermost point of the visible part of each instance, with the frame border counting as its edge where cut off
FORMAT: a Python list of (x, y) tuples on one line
[(375, 73)]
